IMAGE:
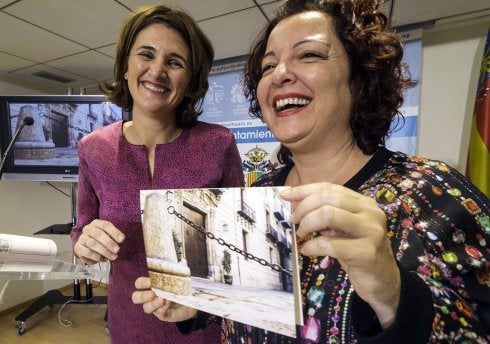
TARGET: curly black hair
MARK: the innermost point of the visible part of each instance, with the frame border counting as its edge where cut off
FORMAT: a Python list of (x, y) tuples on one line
[(377, 74)]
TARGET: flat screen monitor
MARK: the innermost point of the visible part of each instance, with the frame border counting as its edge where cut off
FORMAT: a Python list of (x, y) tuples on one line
[(47, 149)]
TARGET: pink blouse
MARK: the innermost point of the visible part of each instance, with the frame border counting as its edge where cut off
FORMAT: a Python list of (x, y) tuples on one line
[(111, 174)]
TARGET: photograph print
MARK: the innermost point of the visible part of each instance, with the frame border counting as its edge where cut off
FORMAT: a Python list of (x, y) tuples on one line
[(228, 252)]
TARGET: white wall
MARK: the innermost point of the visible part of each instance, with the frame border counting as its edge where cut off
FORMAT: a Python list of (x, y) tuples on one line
[(27, 207), (452, 56)]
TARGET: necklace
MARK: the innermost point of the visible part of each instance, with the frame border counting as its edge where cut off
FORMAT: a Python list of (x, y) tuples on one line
[(326, 293)]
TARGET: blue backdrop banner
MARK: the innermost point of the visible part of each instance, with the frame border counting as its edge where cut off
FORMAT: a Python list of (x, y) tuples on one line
[(225, 104)]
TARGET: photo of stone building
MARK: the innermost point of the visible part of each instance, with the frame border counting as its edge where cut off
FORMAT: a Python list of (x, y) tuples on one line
[(57, 128), (223, 242)]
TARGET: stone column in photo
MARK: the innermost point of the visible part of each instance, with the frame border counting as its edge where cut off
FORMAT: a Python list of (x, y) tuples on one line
[(31, 143), (166, 272)]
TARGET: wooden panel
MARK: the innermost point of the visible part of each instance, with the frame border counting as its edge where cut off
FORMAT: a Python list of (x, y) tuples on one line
[(195, 244)]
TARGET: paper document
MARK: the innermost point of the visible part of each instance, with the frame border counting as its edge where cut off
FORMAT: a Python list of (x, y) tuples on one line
[(17, 244)]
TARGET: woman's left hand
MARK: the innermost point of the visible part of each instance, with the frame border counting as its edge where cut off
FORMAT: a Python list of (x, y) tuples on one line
[(352, 229)]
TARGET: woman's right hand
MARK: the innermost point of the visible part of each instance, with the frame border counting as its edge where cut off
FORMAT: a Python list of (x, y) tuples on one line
[(351, 227), (99, 242), (163, 309)]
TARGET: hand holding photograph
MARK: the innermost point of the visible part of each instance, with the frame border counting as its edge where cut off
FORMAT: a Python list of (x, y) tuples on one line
[(230, 252)]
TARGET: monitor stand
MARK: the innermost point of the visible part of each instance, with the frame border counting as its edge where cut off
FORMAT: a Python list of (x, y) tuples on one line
[(55, 297)]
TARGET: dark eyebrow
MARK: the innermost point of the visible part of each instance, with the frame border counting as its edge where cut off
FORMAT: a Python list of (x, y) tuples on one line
[(149, 47), (178, 56), (328, 45)]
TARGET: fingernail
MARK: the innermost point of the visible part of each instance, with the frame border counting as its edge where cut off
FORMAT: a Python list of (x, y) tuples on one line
[(115, 249), (120, 238), (285, 192)]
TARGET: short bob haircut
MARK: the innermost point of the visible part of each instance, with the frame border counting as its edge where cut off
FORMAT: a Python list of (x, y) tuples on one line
[(377, 74), (201, 50)]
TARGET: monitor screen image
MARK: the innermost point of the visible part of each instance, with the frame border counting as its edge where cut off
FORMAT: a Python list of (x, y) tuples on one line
[(47, 149)]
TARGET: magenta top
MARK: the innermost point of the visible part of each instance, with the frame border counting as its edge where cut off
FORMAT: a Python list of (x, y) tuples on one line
[(111, 174)]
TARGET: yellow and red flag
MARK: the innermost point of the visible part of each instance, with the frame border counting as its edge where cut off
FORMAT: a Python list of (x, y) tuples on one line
[(478, 165)]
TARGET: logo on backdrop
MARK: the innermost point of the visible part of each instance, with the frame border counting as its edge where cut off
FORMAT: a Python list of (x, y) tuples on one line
[(257, 164)]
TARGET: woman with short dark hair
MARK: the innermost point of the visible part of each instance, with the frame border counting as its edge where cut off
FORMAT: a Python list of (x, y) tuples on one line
[(160, 75)]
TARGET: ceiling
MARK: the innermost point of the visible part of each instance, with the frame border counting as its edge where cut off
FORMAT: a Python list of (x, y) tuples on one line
[(74, 40)]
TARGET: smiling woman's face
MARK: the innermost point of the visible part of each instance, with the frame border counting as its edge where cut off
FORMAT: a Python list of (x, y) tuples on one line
[(304, 91), (158, 72)]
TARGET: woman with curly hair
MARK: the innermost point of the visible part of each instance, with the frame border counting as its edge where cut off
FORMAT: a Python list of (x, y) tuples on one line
[(394, 248)]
